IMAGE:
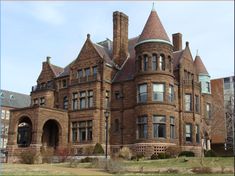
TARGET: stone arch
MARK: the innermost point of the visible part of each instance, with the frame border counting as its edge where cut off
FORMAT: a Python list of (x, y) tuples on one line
[(51, 133), (24, 131)]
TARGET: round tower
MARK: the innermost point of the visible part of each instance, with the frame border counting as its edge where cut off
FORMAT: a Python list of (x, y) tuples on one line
[(156, 120)]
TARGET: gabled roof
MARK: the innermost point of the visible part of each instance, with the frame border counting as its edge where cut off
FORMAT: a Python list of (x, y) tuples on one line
[(14, 99), (153, 30), (56, 69), (199, 66)]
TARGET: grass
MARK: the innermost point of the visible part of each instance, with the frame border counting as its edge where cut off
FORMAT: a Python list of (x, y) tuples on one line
[(149, 167)]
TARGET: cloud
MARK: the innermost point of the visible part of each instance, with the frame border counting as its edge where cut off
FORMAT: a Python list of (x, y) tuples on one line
[(48, 12)]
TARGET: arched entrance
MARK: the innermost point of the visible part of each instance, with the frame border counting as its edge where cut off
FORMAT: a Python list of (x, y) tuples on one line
[(24, 132), (50, 135)]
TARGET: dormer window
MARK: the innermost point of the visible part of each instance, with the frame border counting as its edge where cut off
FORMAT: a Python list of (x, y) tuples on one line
[(208, 86), (87, 72), (64, 82), (79, 74), (94, 70)]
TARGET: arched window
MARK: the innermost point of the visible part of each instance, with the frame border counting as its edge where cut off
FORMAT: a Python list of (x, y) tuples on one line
[(145, 62), (162, 62), (65, 102), (140, 63), (24, 135), (154, 62)]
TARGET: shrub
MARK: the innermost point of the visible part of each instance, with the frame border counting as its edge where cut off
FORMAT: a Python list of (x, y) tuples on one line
[(88, 160), (125, 153), (187, 154), (63, 154), (173, 151), (98, 149), (202, 170), (209, 153), (27, 157), (89, 150), (163, 156)]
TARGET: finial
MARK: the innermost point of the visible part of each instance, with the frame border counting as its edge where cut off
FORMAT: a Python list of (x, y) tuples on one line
[(153, 9), (187, 44), (197, 53), (88, 36), (48, 59)]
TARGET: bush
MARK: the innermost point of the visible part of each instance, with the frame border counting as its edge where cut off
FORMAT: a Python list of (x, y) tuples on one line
[(125, 153), (154, 156), (173, 151), (137, 156), (27, 157), (98, 149), (88, 150), (88, 160), (209, 153), (63, 154), (202, 170), (163, 156), (187, 154)]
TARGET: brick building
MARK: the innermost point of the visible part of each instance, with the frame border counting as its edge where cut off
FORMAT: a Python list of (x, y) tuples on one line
[(9, 100), (223, 117), (156, 93)]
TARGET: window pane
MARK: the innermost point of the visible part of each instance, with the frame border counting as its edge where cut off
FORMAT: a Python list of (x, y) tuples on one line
[(87, 71), (158, 92), (142, 93)]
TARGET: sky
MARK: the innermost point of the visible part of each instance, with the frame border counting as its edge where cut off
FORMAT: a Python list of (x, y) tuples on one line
[(33, 30)]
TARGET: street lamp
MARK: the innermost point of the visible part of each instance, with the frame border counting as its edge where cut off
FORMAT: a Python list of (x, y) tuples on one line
[(106, 114)]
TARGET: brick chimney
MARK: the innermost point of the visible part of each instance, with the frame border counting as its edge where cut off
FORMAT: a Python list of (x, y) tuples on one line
[(177, 41), (120, 37)]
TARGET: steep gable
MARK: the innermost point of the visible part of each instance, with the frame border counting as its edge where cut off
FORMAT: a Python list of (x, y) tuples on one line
[(186, 59)]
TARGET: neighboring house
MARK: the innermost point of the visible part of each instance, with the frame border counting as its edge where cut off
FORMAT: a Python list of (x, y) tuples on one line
[(157, 94), (8, 101), (223, 118)]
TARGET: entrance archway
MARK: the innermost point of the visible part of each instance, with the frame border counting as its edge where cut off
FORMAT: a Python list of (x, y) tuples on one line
[(24, 132), (50, 135)]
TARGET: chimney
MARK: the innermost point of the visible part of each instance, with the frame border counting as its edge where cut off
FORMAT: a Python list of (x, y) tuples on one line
[(177, 41), (48, 59), (120, 37)]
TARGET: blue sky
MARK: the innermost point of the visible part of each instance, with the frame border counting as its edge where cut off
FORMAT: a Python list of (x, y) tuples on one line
[(30, 31)]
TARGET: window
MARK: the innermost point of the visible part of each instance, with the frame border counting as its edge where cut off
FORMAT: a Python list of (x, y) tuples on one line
[(226, 83), (172, 127), (162, 62), (159, 126), (142, 93), (74, 132), (2, 129), (7, 115), (188, 102), (94, 70), (145, 63), (116, 125), (64, 82), (142, 127), (208, 86), (154, 62), (82, 100), (197, 103), (87, 72), (82, 131), (158, 92), (90, 98), (65, 102), (107, 101), (140, 63), (42, 101), (117, 95), (35, 101), (6, 130), (197, 134), (79, 74), (171, 93), (169, 66), (188, 132), (208, 111), (75, 101), (3, 114)]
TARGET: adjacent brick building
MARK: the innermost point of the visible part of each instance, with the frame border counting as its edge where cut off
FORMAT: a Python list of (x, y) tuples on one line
[(156, 93)]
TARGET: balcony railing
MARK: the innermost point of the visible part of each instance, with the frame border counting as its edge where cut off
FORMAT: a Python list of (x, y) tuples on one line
[(84, 79), (47, 86)]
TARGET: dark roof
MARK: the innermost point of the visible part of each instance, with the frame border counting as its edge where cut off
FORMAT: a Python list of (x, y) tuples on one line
[(153, 29), (199, 66), (56, 69), (14, 99), (176, 58), (128, 70), (103, 52)]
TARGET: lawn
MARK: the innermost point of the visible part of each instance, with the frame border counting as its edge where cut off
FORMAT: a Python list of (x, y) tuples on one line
[(164, 167)]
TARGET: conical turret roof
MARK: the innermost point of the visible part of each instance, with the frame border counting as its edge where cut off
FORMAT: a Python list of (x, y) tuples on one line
[(153, 30), (200, 67)]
